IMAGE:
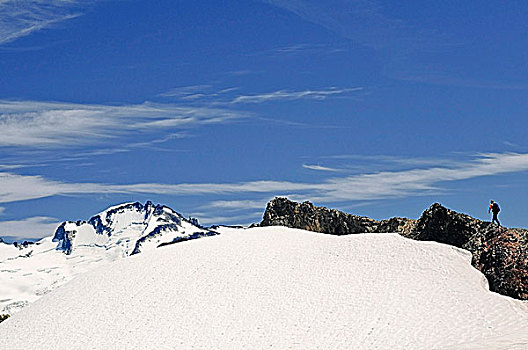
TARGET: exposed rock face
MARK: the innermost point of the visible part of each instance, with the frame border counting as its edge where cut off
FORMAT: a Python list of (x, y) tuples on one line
[(284, 212), (503, 259), (446, 226), (501, 254), (306, 216)]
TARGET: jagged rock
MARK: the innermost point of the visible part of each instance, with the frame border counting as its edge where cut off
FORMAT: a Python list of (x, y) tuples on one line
[(397, 225), (503, 258), (283, 212), (501, 254), (446, 226)]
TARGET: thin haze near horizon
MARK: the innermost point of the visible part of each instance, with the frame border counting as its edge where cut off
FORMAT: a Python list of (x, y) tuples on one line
[(215, 107)]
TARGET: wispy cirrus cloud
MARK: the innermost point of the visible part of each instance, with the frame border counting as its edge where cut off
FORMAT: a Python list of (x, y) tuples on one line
[(390, 162), (33, 123), (368, 186), (236, 204), (22, 18), (287, 95), (10, 166), (184, 91), (318, 167), (29, 228), (299, 49), (205, 94)]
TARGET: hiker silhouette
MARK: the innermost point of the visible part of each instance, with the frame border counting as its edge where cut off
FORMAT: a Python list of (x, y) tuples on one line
[(494, 207)]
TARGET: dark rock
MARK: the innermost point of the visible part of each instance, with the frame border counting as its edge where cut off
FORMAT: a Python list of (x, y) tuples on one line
[(194, 221), (501, 254), (306, 216), (159, 230), (397, 225), (503, 258), (195, 235), (64, 238), (3, 317), (98, 225), (446, 226)]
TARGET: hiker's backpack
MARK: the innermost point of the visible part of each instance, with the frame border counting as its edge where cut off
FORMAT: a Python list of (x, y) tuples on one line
[(496, 208)]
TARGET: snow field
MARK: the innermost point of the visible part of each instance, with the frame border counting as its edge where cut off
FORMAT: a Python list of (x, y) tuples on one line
[(277, 288)]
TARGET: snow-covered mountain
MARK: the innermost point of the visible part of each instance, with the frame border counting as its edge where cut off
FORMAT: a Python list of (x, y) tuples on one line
[(274, 287), (129, 228), (29, 271)]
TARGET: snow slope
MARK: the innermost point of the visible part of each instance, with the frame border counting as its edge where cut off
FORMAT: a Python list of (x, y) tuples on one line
[(30, 272), (279, 288)]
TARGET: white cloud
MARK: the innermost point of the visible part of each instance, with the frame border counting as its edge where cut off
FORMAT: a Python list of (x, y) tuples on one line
[(237, 204), (401, 161), (285, 95), (386, 184), (205, 94), (15, 187), (318, 167), (197, 92), (10, 166), (183, 91), (34, 227), (30, 123), (21, 18), (417, 181)]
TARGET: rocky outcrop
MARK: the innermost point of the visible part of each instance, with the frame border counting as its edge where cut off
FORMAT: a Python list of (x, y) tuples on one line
[(446, 226), (306, 216), (501, 254)]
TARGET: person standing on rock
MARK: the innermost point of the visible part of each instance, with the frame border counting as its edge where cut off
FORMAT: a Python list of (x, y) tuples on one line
[(494, 207)]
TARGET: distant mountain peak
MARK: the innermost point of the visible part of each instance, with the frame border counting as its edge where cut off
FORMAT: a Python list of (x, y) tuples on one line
[(79, 246), (132, 226)]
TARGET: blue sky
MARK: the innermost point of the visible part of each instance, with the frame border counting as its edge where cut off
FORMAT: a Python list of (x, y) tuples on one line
[(213, 108)]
